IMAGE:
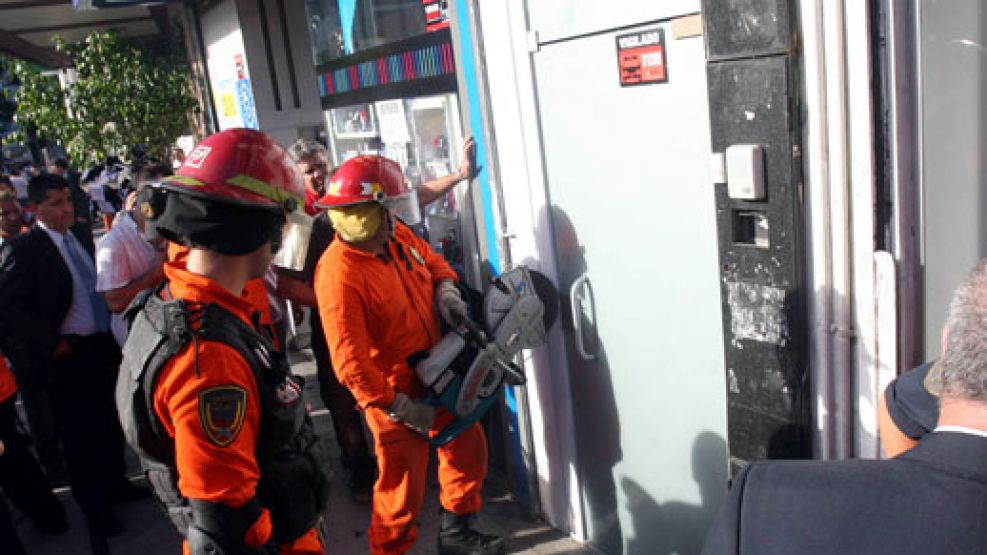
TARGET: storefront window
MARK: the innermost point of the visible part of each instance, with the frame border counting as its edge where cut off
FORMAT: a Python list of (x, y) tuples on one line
[(419, 133), (343, 27)]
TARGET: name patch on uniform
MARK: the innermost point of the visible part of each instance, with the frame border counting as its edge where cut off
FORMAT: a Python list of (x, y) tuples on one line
[(222, 411)]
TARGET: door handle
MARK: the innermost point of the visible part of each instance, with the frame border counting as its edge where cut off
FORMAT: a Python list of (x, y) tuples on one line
[(576, 304)]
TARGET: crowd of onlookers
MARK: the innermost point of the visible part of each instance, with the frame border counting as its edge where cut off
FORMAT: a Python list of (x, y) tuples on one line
[(54, 352), (74, 253), (66, 386)]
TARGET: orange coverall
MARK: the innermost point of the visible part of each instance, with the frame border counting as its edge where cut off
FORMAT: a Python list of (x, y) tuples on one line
[(207, 471), (376, 314)]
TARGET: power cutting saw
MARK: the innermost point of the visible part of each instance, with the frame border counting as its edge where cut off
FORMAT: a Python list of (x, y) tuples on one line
[(465, 370)]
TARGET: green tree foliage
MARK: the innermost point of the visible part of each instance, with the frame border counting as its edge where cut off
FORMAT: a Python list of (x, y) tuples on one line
[(7, 105), (124, 97)]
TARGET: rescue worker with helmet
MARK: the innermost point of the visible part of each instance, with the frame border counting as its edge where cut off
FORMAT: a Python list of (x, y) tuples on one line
[(378, 287), (205, 398)]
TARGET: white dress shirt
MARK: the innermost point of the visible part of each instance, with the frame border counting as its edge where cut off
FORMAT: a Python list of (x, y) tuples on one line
[(961, 430), (80, 319)]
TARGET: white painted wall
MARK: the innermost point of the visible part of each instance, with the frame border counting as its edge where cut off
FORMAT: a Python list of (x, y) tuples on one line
[(234, 26), (285, 123), (223, 39)]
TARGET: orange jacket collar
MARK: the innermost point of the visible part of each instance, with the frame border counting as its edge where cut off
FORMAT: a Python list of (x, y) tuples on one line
[(196, 288)]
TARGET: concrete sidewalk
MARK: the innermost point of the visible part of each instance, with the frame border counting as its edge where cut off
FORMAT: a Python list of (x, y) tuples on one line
[(148, 532)]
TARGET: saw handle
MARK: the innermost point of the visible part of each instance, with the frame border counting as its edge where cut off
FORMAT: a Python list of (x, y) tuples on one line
[(500, 285), (473, 331), (512, 374)]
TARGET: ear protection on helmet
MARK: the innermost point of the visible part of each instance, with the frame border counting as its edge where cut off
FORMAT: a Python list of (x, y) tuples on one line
[(151, 201)]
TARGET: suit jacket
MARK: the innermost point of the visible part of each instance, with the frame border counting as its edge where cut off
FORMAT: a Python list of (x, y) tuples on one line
[(35, 296), (932, 499)]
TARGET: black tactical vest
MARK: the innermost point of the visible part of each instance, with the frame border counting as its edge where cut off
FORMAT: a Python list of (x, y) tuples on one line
[(295, 467)]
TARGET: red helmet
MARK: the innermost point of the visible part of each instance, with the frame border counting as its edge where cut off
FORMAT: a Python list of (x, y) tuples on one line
[(372, 178), (365, 178), (242, 166)]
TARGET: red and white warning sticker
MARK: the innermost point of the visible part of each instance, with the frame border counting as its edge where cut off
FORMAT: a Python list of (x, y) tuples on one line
[(641, 57)]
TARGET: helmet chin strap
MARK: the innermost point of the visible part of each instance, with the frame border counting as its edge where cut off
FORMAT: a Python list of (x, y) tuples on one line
[(390, 222)]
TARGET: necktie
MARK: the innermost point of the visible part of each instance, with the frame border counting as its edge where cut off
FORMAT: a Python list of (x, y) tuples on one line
[(86, 271)]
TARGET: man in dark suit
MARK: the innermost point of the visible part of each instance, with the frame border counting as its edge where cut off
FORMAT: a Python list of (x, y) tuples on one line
[(54, 330), (931, 499), (37, 405), (80, 199)]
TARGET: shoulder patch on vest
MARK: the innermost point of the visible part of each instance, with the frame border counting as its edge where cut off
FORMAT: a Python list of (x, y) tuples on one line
[(222, 411)]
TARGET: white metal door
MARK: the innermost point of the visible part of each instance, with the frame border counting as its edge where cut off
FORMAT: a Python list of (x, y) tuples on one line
[(631, 211)]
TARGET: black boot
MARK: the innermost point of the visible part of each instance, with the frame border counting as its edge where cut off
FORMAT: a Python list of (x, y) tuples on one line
[(456, 537)]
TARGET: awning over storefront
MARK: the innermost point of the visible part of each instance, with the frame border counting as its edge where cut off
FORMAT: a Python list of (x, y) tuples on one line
[(27, 28)]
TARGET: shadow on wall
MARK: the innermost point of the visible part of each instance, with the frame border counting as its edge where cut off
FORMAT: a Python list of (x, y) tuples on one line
[(595, 414), (674, 526)]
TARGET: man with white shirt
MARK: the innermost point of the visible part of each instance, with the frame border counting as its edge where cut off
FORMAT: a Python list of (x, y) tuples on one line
[(928, 500), (126, 262), (54, 330)]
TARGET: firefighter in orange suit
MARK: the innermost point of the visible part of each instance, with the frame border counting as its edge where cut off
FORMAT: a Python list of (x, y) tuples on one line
[(205, 398), (378, 288)]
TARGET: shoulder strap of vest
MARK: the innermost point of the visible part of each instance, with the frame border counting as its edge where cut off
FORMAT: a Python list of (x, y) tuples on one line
[(159, 330), (166, 317), (210, 322), (215, 323), (138, 302)]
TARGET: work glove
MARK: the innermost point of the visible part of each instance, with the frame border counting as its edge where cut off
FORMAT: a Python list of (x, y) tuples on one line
[(414, 414), (452, 308)]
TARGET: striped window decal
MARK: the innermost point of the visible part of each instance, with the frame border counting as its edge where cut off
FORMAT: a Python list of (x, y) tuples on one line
[(420, 63)]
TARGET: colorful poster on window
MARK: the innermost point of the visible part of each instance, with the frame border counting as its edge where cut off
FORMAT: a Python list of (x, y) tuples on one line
[(229, 74)]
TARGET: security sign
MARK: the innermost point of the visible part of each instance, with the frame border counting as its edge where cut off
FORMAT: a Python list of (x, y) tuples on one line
[(641, 57)]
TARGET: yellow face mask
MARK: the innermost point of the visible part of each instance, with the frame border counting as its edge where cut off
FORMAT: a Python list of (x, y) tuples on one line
[(356, 224)]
